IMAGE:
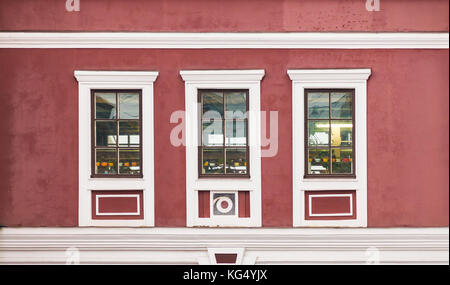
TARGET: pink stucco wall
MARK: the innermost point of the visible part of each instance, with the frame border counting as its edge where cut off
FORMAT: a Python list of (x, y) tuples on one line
[(225, 16), (408, 121)]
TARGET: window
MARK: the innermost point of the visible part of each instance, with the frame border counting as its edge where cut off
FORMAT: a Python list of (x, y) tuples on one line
[(117, 133), (329, 133), (223, 150), (223, 147), (329, 119)]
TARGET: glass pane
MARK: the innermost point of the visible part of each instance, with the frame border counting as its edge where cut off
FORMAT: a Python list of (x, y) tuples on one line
[(212, 133), (341, 133), (105, 105), (318, 105), (341, 105), (129, 161), (318, 161), (236, 161), (224, 204), (236, 133), (212, 162), (129, 133), (105, 133), (342, 161), (129, 106), (105, 161), (212, 105), (235, 105), (318, 133)]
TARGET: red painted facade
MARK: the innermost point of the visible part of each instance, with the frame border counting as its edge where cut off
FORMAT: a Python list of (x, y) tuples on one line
[(408, 103), (225, 16)]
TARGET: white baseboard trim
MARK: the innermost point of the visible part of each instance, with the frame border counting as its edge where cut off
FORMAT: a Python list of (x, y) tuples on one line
[(259, 246), (279, 40)]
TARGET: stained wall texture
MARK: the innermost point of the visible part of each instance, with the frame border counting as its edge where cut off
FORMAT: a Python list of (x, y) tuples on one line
[(408, 142)]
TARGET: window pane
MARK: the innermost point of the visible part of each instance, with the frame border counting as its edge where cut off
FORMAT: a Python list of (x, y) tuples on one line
[(212, 162), (105, 133), (236, 161), (318, 105), (129, 106), (318, 161), (341, 133), (129, 161), (235, 133), (129, 133), (235, 105), (342, 161), (341, 105), (212, 105), (318, 133), (212, 133), (105, 105), (105, 161)]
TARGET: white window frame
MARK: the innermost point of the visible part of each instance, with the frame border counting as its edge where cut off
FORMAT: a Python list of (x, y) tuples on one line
[(329, 79), (222, 79), (116, 80)]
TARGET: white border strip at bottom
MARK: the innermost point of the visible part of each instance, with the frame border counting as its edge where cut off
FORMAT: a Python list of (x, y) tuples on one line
[(259, 245)]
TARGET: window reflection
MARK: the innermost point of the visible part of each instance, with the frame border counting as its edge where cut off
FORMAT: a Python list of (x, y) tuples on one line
[(330, 132), (128, 106), (117, 137), (224, 132), (105, 105)]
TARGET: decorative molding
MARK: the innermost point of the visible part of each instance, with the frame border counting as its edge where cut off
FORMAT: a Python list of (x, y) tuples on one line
[(329, 75), (241, 75), (280, 40), (220, 250), (222, 79), (118, 77), (190, 246), (329, 79), (350, 196), (138, 206), (88, 80)]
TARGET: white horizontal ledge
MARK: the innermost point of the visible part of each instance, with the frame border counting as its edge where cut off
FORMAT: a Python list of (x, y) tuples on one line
[(329, 75), (224, 40), (222, 75), (202, 237), (94, 76), (188, 245)]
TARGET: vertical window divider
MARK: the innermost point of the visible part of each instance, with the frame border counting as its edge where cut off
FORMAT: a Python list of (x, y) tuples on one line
[(117, 137), (330, 155), (224, 134)]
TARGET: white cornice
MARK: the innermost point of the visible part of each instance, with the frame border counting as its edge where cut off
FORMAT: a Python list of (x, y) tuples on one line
[(187, 245), (329, 75), (222, 75), (119, 77), (280, 40)]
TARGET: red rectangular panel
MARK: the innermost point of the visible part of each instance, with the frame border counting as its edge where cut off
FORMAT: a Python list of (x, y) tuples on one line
[(117, 205), (330, 205), (226, 258), (203, 204), (244, 204)]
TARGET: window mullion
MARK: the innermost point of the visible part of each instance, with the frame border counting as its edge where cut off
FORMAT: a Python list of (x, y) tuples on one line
[(224, 135), (117, 130), (330, 155)]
